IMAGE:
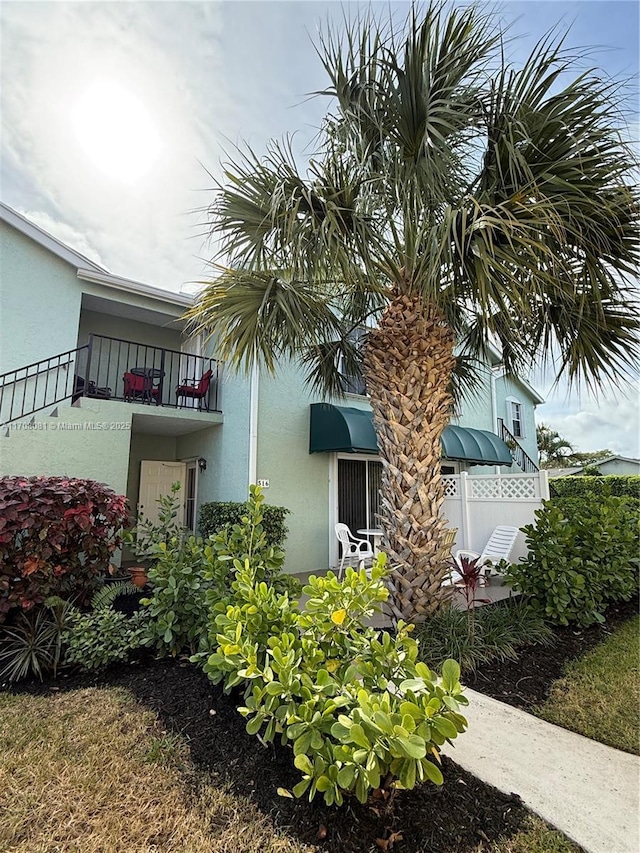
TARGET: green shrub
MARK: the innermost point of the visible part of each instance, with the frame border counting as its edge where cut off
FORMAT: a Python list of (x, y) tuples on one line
[(191, 579), (96, 639), (577, 565), (500, 629), (571, 506), (618, 486), (359, 709), (177, 605), (218, 515)]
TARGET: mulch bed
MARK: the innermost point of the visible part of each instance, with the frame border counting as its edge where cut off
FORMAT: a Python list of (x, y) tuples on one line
[(526, 683), (453, 819)]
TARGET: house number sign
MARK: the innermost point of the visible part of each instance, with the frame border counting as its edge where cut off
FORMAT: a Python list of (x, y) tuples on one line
[(264, 484)]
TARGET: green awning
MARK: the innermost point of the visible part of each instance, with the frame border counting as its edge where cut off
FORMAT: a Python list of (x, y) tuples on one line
[(344, 429)]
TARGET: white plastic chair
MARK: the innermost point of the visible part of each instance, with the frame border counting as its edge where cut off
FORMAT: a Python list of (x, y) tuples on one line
[(499, 547), (351, 547)]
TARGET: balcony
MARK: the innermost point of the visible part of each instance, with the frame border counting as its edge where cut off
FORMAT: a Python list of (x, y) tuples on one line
[(115, 369), (108, 368)]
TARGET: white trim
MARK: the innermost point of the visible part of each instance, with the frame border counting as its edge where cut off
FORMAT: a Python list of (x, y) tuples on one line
[(192, 462), (333, 509), (510, 403), (137, 287), (254, 394), (501, 373), (46, 240), (494, 401)]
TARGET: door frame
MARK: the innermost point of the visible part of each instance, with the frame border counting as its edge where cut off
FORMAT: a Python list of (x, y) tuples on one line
[(334, 557), (191, 463)]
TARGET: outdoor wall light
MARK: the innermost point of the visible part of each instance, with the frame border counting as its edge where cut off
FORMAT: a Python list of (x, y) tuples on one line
[(202, 463)]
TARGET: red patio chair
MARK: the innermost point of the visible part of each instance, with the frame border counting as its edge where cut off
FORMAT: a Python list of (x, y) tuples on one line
[(139, 387), (196, 390)]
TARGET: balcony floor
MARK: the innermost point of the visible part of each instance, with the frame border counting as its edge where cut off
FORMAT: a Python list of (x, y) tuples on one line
[(149, 418)]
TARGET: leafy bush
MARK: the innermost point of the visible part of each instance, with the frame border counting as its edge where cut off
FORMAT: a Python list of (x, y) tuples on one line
[(190, 578), (571, 506), (57, 536), (577, 565), (177, 606), (499, 630), (144, 538), (618, 486), (103, 636), (218, 515), (356, 704)]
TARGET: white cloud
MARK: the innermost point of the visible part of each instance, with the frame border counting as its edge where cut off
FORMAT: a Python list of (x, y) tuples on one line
[(65, 233), (612, 421), (140, 225)]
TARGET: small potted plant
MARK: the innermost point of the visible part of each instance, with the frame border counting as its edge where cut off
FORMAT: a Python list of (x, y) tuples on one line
[(139, 576)]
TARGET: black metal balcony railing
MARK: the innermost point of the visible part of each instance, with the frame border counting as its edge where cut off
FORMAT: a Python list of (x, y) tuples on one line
[(112, 369), (117, 369), (39, 385), (518, 453)]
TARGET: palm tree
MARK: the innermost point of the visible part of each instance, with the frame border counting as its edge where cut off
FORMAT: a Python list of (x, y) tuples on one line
[(453, 200), (555, 451)]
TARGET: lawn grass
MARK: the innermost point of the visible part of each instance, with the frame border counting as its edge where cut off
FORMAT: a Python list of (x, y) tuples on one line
[(600, 694), (90, 771), (537, 837)]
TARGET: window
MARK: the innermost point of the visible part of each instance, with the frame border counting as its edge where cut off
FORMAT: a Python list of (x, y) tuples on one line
[(517, 425), (353, 381)]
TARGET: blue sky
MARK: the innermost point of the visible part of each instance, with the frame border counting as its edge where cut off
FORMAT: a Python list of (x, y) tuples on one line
[(112, 111)]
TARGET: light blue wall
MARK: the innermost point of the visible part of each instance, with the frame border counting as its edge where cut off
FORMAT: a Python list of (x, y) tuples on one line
[(298, 480), (128, 330), (476, 405), (39, 299), (226, 448), (507, 387)]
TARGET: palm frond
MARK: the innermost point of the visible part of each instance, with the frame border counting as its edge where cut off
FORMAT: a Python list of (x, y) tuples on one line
[(501, 195), (256, 316)]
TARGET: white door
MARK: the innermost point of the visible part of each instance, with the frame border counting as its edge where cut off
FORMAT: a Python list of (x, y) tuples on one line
[(156, 479)]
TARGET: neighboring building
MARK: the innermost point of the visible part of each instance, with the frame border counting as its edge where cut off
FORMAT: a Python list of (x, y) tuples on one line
[(619, 465), (90, 364)]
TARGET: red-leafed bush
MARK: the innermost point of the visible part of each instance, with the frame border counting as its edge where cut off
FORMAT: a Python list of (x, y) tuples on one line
[(56, 538)]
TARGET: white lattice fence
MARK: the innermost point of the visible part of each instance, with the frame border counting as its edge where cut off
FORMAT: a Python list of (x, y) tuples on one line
[(515, 487), (476, 504)]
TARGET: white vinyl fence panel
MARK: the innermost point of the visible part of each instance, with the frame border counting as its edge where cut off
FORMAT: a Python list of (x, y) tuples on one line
[(476, 504)]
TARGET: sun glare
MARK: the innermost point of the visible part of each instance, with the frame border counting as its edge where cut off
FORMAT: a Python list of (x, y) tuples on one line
[(116, 131)]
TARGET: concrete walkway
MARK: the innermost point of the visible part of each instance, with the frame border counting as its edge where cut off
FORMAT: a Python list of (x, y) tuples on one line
[(589, 791)]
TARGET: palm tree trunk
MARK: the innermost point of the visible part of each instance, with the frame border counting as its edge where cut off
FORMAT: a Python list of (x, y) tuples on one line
[(408, 362)]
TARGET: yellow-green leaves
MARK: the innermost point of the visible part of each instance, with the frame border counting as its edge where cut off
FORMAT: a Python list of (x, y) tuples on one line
[(354, 703)]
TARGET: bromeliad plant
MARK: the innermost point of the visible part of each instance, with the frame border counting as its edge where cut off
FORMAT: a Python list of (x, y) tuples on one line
[(358, 707), (471, 577)]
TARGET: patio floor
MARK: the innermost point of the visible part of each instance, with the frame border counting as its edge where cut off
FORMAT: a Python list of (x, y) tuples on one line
[(495, 590)]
